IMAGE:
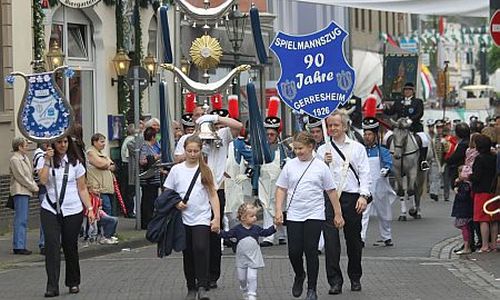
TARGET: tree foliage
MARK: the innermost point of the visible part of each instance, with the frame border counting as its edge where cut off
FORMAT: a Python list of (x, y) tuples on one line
[(493, 59)]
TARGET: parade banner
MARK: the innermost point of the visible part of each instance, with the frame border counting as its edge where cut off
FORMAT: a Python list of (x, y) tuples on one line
[(315, 75), (44, 115), (399, 68)]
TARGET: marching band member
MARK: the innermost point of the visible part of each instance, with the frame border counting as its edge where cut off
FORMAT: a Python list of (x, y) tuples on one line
[(349, 165), (412, 108), (380, 161), (187, 118), (269, 173), (313, 125)]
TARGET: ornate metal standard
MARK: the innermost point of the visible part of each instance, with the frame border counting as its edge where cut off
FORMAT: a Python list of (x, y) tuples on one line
[(205, 89), (205, 15), (206, 52)]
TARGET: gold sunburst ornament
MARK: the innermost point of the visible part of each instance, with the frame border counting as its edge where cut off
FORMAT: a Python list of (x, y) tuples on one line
[(206, 52)]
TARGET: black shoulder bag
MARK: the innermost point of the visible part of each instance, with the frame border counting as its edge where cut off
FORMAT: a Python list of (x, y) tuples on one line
[(191, 185), (57, 205), (341, 154), (293, 193)]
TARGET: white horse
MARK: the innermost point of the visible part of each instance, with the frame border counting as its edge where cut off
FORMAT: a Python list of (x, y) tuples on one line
[(406, 152)]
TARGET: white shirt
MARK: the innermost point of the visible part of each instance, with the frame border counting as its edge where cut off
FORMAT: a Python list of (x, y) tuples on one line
[(198, 211), (72, 203), (216, 157), (359, 160), (308, 202)]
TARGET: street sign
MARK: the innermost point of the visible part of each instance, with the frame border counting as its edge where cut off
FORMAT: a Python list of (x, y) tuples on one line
[(143, 78), (315, 75), (495, 28), (409, 45)]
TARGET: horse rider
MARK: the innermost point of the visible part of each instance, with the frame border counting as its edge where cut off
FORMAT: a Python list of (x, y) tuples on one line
[(436, 171), (268, 174), (413, 108), (380, 161)]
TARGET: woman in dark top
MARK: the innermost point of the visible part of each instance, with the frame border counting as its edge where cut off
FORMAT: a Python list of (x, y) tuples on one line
[(483, 185)]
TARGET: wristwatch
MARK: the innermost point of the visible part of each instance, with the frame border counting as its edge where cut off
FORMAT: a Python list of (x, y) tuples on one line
[(368, 198)]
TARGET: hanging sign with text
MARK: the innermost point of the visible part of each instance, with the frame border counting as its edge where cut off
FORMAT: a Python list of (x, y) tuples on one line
[(79, 3), (315, 75)]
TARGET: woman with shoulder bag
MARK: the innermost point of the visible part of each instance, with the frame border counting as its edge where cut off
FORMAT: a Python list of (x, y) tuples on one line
[(302, 183), (196, 215), (62, 212), (22, 187)]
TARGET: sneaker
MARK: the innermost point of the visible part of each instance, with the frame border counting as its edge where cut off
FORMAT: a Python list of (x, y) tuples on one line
[(107, 241), (388, 243), (252, 297), (311, 295), (203, 294), (22, 251), (191, 295), (114, 238)]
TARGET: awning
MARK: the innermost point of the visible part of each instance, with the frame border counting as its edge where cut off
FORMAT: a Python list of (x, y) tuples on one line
[(465, 8)]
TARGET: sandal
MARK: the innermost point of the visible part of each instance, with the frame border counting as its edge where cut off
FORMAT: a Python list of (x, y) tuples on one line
[(484, 250)]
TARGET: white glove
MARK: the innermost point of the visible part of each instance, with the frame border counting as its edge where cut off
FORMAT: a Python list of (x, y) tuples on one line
[(207, 118), (384, 172), (240, 178)]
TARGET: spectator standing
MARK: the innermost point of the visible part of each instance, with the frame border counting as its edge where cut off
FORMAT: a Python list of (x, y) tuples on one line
[(22, 187), (100, 172), (127, 189)]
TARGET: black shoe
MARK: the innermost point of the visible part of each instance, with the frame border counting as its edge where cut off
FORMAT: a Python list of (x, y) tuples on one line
[(266, 244), (298, 285), (131, 216), (282, 242), (22, 251), (42, 250), (311, 295), (212, 284), (74, 290), (446, 200), (458, 249), (51, 294), (362, 244), (355, 286), (335, 289), (424, 165), (388, 243), (435, 197)]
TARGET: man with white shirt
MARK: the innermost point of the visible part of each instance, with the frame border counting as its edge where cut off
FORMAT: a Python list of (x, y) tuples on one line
[(348, 163), (216, 159)]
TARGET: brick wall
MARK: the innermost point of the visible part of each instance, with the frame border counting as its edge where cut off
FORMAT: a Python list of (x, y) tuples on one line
[(6, 214)]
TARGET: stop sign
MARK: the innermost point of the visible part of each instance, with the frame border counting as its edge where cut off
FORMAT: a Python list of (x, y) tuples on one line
[(495, 27)]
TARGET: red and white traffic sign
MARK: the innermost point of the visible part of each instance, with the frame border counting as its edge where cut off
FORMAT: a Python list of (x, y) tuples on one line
[(495, 27)]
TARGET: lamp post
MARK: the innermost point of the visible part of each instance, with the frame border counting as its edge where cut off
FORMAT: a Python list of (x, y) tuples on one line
[(150, 65), (235, 28), (55, 56), (121, 63)]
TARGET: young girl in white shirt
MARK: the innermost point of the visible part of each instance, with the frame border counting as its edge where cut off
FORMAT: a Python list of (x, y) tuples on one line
[(302, 183), (196, 214)]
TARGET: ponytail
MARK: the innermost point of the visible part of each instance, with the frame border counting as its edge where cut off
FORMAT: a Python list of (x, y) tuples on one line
[(207, 178)]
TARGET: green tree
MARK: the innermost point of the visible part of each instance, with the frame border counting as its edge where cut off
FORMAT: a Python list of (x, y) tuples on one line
[(493, 59)]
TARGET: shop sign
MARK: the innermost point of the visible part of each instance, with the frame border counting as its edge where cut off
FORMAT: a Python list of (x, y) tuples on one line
[(78, 3)]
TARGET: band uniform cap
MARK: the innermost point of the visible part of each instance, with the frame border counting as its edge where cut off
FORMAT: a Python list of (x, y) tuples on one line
[(370, 124), (456, 121), (439, 123), (430, 122), (187, 120), (473, 118), (409, 85), (447, 120), (220, 112), (312, 122), (272, 122)]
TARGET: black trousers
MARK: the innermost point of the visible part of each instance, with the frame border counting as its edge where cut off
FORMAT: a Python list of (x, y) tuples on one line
[(149, 195), (303, 238), (352, 234), (215, 248), (61, 231), (128, 191), (196, 256)]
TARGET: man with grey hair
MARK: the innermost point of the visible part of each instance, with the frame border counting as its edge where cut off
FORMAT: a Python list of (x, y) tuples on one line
[(127, 189), (349, 165)]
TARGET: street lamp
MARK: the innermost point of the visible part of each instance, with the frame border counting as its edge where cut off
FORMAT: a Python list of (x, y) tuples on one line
[(235, 24), (185, 66), (121, 63), (55, 57), (150, 65)]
